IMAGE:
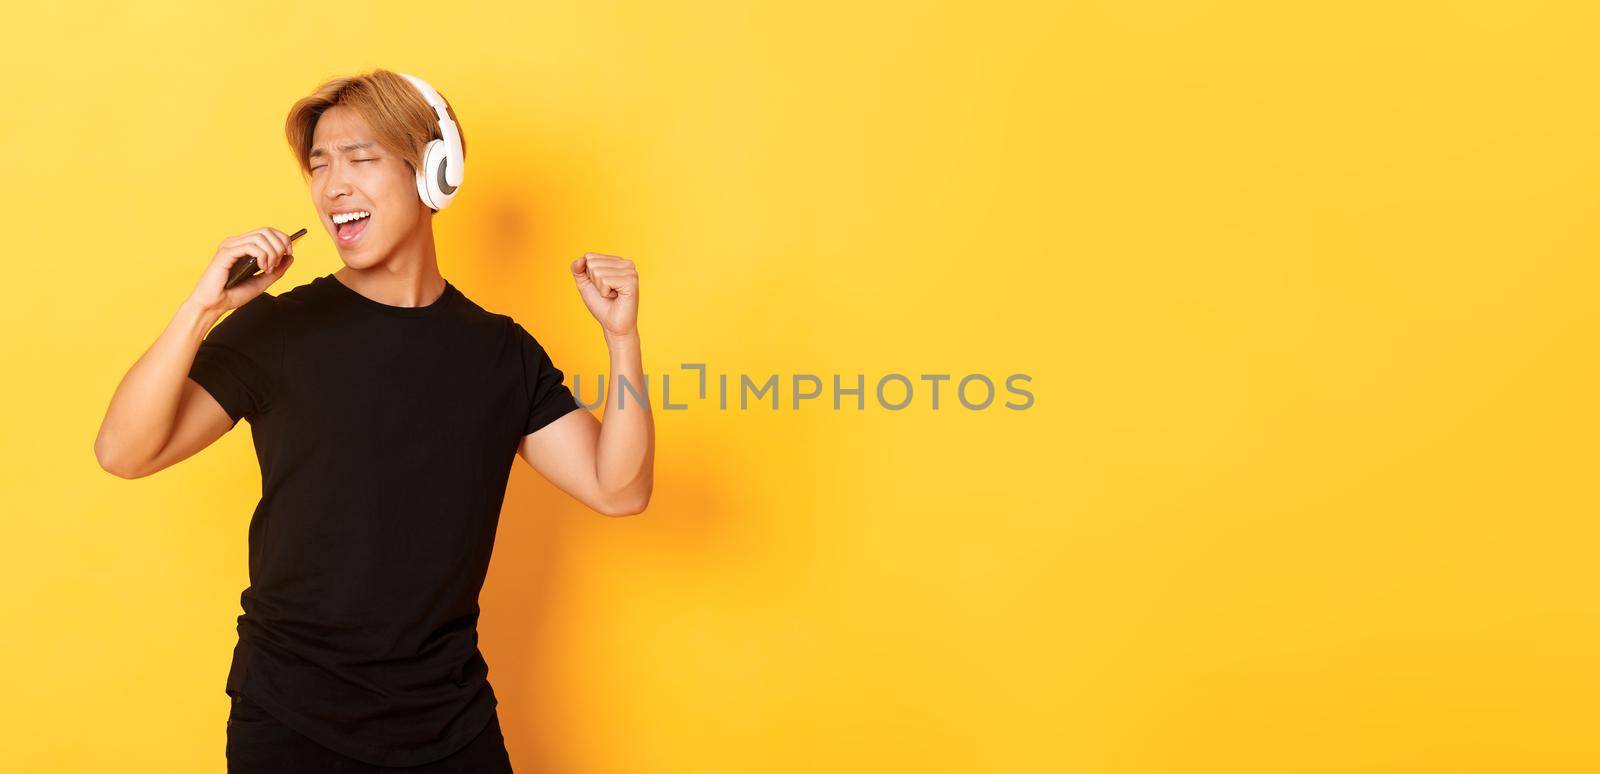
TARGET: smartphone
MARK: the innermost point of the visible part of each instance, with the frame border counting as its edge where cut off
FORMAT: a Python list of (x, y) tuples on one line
[(247, 268)]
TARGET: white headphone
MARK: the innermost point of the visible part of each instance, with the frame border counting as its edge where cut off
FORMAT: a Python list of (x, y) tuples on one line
[(443, 162)]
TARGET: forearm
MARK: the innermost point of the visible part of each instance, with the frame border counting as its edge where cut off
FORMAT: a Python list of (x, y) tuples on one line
[(145, 405), (624, 459)]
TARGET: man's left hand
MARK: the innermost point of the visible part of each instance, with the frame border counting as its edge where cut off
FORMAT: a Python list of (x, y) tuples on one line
[(610, 288)]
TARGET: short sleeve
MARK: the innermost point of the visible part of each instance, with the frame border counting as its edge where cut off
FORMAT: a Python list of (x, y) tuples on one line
[(239, 358), (548, 397)]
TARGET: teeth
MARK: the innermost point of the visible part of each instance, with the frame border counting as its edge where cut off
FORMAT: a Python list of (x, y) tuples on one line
[(346, 217)]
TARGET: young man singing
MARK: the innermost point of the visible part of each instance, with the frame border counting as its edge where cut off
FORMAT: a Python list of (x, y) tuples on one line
[(386, 410)]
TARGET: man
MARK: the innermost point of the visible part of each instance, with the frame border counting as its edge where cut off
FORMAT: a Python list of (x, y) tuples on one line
[(386, 409)]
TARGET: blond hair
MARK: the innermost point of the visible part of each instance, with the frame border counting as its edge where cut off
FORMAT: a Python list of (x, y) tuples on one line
[(400, 118)]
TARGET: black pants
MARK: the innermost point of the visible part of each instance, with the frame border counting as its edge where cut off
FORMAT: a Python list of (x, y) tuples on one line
[(259, 744)]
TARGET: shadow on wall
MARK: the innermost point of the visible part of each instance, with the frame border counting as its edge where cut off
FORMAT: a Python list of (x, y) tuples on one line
[(707, 522), (509, 242), (537, 546)]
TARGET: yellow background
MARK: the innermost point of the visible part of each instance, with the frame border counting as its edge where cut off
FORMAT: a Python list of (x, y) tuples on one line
[(1306, 293)]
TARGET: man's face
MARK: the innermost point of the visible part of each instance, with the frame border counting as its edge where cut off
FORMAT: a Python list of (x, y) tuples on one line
[(351, 171)]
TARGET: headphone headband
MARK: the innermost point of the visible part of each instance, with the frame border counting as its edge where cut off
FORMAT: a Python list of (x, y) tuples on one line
[(444, 161)]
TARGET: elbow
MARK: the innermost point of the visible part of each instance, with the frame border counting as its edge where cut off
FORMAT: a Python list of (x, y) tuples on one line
[(111, 463), (625, 506), (118, 469)]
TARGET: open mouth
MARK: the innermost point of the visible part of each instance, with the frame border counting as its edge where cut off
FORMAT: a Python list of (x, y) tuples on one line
[(348, 231)]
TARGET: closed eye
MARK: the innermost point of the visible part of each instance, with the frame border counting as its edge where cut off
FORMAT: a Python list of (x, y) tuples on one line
[(320, 166)]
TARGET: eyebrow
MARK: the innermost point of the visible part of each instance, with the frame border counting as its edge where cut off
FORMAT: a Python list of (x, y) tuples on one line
[(347, 147)]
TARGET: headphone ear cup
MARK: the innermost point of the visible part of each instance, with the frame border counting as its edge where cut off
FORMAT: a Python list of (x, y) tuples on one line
[(439, 186), (428, 177)]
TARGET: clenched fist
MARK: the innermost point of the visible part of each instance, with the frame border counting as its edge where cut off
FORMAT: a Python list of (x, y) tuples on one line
[(610, 288)]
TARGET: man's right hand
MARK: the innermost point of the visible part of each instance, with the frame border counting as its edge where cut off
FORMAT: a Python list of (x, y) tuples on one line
[(273, 253)]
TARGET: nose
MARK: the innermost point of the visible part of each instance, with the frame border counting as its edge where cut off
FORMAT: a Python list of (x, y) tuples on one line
[(337, 185)]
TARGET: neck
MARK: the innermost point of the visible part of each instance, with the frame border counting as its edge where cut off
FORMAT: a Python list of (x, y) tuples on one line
[(407, 276)]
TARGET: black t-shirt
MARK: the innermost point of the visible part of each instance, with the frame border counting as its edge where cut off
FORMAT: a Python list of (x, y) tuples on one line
[(386, 436)]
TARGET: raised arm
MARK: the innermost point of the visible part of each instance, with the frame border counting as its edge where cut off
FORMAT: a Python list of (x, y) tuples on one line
[(158, 415), (608, 465)]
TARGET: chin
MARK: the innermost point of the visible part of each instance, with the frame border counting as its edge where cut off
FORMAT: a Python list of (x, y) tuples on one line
[(362, 247)]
